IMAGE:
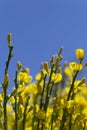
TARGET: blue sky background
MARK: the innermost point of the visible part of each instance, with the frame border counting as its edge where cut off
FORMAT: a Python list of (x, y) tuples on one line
[(40, 28)]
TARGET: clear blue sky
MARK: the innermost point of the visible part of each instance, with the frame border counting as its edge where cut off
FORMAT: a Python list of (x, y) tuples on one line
[(40, 28)]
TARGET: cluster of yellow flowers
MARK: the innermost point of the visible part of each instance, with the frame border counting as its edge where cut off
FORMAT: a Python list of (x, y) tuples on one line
[(57, 100)]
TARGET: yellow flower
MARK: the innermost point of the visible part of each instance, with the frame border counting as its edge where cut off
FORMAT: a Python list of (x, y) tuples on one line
[(68, 71), (12, 100), (75, 66), (70, 104), (38, 76), (21, 109), (84, 91), (9, 109), (1, 98), (49, 112), (84, 112), (80, 83), (32, 88), (22, 98), (79, 53), (28, 128), (23, 77), (56, 77)]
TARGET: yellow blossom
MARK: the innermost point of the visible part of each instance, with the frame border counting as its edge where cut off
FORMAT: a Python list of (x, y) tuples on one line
[(1, 98), (38, 76), (23, 77), (79, 53), (12, 100), (49, 112), (68, 71), (9, 109), (28, 128), (56, 77), (70, 104), (21, 109), (75, 66)]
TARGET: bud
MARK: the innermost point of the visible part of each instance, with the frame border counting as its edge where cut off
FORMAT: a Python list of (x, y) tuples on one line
[(85, 64), (57, 60), (19, 65), (60, 57), (26, 70), (59, 70), (60, 51), (52, 59), (79, 54), (41, 66), (46, 66), (9, 37), (82, 81)]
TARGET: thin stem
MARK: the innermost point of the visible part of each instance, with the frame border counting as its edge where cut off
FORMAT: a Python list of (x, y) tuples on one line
[(84, 128), (5, 112), (52, 122), (63, 119), (70, 123), (16, 112), (24, 115), (72, 86), (68, 98), (5, 86), (47, 94), (47, 97), (41, 101)]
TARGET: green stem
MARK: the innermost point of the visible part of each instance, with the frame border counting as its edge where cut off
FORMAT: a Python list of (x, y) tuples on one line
[(5, 87), (24, 115), (72, 86), (5, 112), (70, 123), (68, 98), (47, 97), (84, 128), (52, 122), (47, 94), (63, 119), (41, 101), (16, 111)]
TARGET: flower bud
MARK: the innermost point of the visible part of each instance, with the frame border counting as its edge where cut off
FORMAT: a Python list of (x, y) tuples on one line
[(52, 59), (26, 70), (46, 66), (79, 54), (60, 51), (19, 65), (57, 60), (9, 37), (82, 81), (85, 64)]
